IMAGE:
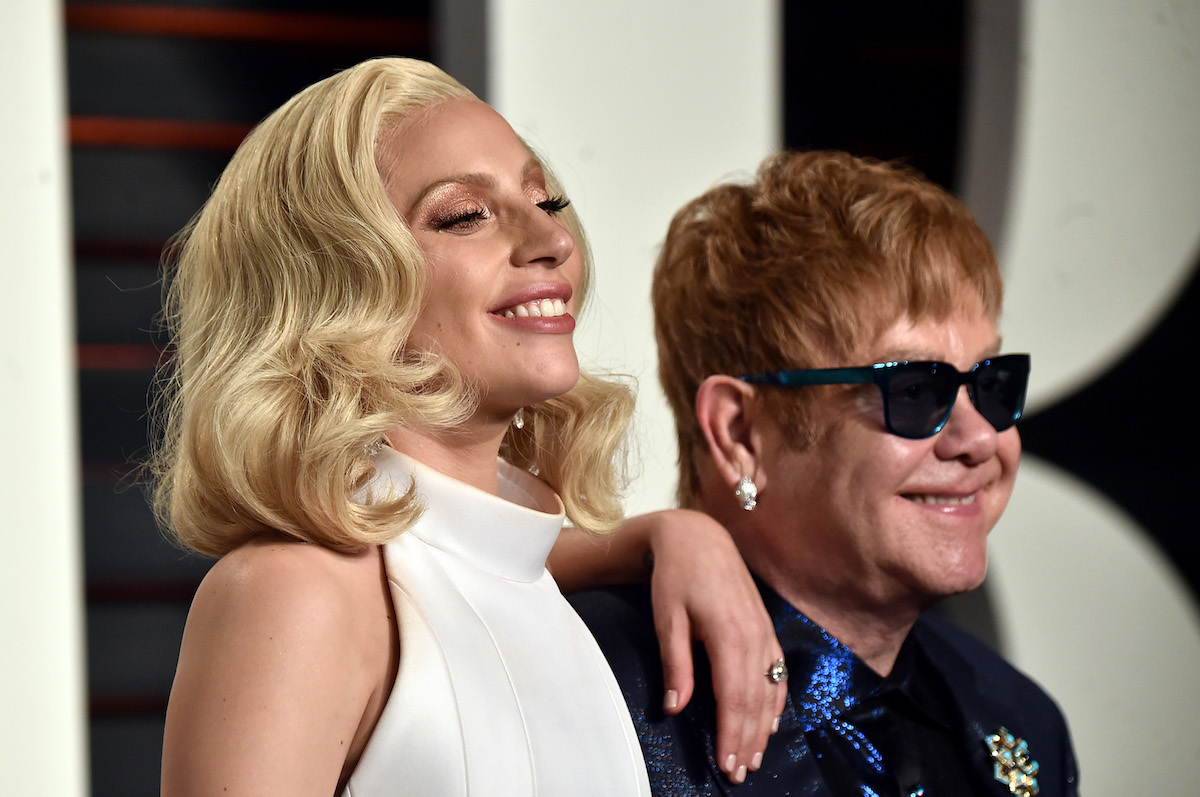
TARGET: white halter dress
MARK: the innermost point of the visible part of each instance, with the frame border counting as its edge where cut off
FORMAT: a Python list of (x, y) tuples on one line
[(501, 689)]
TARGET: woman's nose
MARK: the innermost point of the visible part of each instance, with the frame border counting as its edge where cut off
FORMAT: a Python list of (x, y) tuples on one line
[(546, 240)]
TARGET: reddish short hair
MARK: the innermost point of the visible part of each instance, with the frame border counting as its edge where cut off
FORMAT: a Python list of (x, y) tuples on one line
[(813, 259)]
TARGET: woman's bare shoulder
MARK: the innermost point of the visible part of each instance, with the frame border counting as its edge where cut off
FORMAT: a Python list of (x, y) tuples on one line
[(278, 664), (291, 596), (276, 573)]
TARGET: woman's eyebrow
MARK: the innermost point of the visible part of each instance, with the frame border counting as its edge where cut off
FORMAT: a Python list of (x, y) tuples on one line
[(532, 166), (479, 179)]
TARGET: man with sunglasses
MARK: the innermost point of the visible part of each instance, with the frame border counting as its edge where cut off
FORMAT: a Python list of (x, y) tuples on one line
[(828, 344)]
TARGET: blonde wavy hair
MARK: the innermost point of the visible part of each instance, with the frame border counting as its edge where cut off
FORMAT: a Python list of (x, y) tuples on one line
[(814, 258), (290, 297)]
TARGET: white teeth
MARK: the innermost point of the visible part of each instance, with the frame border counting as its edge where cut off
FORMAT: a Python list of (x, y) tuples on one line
[(942, 500), (538, 308)]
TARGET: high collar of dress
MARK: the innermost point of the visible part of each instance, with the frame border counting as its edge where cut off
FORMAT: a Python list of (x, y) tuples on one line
[(509, 534)]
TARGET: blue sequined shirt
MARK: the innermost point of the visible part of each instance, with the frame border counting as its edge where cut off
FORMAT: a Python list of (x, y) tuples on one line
[(845, 730)]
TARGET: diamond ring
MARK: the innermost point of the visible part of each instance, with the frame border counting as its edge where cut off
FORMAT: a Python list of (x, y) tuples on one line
[(777, 672)]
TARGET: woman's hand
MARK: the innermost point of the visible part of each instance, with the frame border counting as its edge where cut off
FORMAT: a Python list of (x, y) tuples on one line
[(702, 591)]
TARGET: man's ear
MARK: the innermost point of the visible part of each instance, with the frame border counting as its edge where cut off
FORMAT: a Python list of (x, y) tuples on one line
[(730, 419)]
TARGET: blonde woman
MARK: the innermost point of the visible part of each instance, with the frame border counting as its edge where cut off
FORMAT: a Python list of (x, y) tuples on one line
[(377, 422)]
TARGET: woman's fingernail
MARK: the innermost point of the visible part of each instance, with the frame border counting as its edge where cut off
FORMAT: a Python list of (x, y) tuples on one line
[(730, 763), (671, 700), (756, 762), (740, 775), (775, 726)]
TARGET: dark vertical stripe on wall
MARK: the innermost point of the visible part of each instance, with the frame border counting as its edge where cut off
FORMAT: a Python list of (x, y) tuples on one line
[(878, 78), (461, 44), (989, 119)]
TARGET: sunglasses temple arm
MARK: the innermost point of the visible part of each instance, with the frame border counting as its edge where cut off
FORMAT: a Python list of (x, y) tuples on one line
[(804, 377)]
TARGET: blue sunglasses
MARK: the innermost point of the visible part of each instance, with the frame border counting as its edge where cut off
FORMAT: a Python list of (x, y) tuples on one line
[(918, 397)]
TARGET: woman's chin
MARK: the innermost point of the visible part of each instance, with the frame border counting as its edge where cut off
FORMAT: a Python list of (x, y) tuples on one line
[(553, 385)]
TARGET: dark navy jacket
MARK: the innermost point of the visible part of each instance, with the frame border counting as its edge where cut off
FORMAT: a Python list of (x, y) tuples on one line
[(987, 694)]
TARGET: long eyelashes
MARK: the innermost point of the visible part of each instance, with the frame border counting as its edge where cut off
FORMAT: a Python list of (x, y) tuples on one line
[(555, 204), (467, 219)]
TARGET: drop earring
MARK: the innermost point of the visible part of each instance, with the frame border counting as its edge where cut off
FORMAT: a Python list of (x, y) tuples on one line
[(747, 493), (518, 420)]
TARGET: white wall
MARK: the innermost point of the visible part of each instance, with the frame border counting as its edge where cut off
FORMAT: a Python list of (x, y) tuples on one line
[(42, 749), (639, 106)]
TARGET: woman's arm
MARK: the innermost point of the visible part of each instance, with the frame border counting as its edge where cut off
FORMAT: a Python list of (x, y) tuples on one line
[(582, 561), (273, 676), (702, 591)]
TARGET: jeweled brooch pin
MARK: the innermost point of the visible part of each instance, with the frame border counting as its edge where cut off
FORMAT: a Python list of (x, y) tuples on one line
[(1013, 766)]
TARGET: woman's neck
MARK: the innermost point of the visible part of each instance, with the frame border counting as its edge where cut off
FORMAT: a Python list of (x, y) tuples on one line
[(466, 453)]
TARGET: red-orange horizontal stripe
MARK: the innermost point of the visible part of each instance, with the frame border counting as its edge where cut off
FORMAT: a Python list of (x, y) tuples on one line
[(113, 131), (119, 248), (142, 589), (118, 474), (117, 357), (127, 704), (397, 35)]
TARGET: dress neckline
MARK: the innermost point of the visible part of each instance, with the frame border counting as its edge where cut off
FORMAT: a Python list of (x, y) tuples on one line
[(509, 534)]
